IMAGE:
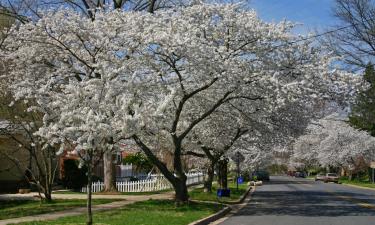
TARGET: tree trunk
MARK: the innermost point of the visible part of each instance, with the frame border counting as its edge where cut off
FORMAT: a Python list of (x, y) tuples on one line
[(89, 184), (47, 191), (177, 180), (223, 173), (48, 197), (180, 186), (350, 177), (47, 186), (109, 173), (181, 190), (209, 178)]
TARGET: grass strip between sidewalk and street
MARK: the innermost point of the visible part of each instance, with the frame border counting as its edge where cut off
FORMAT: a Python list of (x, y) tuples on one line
[(199, 194), (358, 183), (151, 212), (20, 208)]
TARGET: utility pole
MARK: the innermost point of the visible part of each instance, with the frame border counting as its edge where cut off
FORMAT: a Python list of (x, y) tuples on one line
[(238, 158), (238, 168), (372, 165)]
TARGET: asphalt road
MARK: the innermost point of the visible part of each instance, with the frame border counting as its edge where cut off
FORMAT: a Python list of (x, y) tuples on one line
[(292, 201)]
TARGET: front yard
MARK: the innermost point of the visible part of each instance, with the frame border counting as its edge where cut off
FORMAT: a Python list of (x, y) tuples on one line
[(155, 212), (19, 208)]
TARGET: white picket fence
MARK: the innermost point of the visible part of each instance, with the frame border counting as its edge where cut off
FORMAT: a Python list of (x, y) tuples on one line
[(156, 183)]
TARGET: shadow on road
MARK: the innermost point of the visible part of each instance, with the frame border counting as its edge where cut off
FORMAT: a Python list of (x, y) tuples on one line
[(278, 182), (305, 203), (312, 203)]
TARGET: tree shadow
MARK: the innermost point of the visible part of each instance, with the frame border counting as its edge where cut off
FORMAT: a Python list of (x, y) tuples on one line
[(307, 203), (280, 182)]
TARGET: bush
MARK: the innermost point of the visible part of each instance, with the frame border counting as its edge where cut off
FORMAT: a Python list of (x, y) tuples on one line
[(246, 175), (278, 169), (139, 161), (134, 179), (74, 177)]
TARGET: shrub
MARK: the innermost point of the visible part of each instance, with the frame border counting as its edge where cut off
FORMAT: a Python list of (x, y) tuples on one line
[(74, 177), (139, 161)]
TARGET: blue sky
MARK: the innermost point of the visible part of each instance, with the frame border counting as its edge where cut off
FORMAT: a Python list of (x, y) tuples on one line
[(314, 14)]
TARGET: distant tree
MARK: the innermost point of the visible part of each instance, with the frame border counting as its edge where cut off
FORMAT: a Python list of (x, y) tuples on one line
[(139, 161), (363, 109), (354, 36), (331, 142)]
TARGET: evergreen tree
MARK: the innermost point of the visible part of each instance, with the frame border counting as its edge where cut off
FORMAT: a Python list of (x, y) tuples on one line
[(363, 110)]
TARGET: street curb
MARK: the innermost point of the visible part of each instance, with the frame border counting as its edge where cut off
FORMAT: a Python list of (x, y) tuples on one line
[(221, 213), (213, 217), (243, 197), (235, 208), (360, 187)]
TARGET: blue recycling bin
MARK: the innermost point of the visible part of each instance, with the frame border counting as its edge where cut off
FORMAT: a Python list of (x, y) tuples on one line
[(223, 193)]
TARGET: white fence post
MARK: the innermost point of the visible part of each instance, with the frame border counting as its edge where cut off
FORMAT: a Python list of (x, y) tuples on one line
[(156, 183)]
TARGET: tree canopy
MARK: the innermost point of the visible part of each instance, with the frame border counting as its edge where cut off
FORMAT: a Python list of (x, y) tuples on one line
[(363, 109)]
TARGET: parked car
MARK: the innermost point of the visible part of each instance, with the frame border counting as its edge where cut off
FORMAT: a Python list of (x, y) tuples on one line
[(291, 173), (262, 175), (331, 177), (300, 174), (320, 176)]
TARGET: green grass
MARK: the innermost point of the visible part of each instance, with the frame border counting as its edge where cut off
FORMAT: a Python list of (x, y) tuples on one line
[(199, 194), (151, 212), (19, 208), (361, 183)]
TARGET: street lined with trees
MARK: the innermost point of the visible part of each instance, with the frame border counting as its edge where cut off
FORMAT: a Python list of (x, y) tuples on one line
[(184, 80)]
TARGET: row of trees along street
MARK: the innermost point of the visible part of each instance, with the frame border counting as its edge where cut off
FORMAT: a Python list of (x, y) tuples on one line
[(345, 140), (197, 79)]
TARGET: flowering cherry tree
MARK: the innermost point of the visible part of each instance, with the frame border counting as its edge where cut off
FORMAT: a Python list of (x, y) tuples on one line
[(156, 78), (332, 142), (73, 91)]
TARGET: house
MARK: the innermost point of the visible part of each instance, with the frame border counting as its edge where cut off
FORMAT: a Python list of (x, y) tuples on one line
[(14, 160), (123, 172)]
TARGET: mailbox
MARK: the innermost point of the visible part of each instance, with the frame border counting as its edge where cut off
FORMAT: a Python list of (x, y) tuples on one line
[(223, 193)]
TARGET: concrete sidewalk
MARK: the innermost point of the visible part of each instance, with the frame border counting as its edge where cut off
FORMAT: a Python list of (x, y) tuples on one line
[(128, 199), (35, 196)]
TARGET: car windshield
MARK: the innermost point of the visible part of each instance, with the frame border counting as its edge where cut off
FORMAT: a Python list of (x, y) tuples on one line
[(332, 174)]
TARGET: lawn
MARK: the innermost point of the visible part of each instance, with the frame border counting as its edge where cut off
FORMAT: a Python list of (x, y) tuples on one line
[(361, 183), (151, 212), (19, 208), (199, 194)]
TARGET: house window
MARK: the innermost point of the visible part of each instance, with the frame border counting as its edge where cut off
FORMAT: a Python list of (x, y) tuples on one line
[(118, 158)]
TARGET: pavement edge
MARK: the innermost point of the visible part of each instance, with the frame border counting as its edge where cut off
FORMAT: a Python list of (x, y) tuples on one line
[(211, 219), (356, 186)]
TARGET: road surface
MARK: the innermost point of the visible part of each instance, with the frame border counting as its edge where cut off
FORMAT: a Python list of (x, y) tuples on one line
[(298, 201)]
